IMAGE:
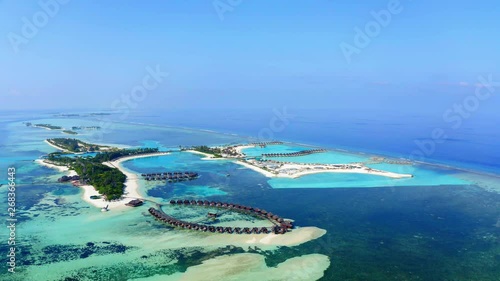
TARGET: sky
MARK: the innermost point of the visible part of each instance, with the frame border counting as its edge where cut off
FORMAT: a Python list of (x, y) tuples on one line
[(416, 55)]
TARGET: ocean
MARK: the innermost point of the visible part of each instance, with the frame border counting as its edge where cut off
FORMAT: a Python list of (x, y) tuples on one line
[(442, 224)]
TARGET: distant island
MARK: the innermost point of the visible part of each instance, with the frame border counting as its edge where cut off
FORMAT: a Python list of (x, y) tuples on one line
[(78, 115), (99, 114), (46, 126), (69, 132), (85, 128)]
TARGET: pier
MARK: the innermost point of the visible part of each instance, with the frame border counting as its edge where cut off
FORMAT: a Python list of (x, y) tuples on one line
[(281, 226)]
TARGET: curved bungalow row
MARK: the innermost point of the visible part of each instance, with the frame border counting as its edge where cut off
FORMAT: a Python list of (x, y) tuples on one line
[(213, 229), (263, 144), (170, 176), (279, 222), (294, 154)]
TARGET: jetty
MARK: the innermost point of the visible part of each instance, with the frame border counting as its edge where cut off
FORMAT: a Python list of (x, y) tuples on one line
[(281, 226)]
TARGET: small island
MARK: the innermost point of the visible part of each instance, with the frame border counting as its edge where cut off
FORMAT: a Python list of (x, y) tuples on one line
[(74, 128), (269, 167), (96, 171), (46, 126), (69, 132)]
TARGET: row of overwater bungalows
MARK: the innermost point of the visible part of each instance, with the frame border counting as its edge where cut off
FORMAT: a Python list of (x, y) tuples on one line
[(170, 176), (294, 154), (210, 228), (275, 219)]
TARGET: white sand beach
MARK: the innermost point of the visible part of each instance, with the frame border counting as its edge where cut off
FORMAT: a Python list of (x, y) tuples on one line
[(299, 170), (52, 166), (57, 147), (207, 156), (250, 266), (187, 238), (241, 147), (354, 171), (257, 169)]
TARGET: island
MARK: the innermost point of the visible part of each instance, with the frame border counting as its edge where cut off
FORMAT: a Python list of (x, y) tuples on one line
[(75, 145), (69, 132), (46, 126), (275, 168), (96, 171)]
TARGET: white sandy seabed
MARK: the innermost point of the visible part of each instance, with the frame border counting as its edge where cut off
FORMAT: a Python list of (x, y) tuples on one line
[(251, 267)]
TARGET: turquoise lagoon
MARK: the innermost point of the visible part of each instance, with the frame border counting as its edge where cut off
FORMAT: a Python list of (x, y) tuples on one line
[(438, 225)]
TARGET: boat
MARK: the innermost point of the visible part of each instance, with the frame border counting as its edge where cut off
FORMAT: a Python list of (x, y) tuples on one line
[(105, 209)]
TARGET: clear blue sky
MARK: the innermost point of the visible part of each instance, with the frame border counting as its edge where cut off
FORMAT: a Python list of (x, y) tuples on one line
[(262, 54)]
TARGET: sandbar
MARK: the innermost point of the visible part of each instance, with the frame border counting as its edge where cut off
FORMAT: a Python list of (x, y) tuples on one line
[(251, 266)]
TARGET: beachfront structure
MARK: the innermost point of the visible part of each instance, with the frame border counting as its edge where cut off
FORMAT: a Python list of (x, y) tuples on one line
[(135, 203)]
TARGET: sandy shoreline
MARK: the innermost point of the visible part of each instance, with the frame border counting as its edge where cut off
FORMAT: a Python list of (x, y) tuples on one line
[(353, 171), (52, 166), (57, 147), (207, 156), (257, 169), (241, 147), (303, 173)]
